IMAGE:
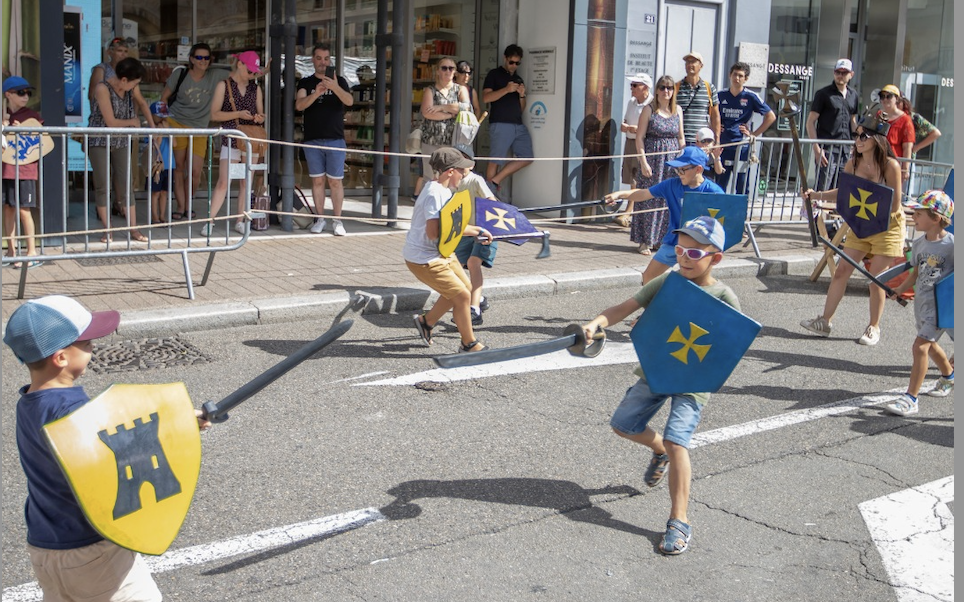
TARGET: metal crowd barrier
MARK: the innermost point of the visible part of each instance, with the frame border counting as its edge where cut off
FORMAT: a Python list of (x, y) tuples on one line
[(773, 186), (67, 226)]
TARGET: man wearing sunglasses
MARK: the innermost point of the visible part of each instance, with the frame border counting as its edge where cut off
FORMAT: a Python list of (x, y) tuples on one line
[(505, 91), (833, 116), (689, 169)]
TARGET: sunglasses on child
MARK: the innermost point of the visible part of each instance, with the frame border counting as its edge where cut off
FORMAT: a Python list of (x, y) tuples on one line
[(694, 254), (465, 71), (515, 62), (23, 92)]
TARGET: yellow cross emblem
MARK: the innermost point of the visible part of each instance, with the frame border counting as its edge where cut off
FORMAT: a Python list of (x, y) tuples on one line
[(863, 204), (500, 219), (682, 354), (713, 213)]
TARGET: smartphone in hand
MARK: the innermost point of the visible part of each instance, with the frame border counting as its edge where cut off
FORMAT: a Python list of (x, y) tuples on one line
[(330, 72)]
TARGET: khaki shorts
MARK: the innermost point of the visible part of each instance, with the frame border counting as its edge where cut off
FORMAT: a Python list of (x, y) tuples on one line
[(100, 572), (885, 244), (444, 275), (199, 144)]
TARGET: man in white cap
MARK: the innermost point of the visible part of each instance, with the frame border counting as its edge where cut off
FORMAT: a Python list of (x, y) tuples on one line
[(640, 85), (833, 116), (698, 99)]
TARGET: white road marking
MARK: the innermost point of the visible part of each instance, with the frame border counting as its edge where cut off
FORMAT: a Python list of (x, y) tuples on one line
[(616, 353), (913, 530), (245, 544), (359, 377)]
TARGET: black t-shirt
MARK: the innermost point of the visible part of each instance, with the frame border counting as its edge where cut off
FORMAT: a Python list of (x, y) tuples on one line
[(834, 112), (324, 118), (507, 109)]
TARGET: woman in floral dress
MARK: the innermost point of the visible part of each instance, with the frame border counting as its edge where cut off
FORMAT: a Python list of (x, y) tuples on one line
[(659, 138)]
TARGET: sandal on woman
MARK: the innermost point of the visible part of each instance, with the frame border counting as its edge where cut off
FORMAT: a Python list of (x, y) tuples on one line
[(424, 330), (138, 237), (656, 469), (177, 216), (105, 238), (677, 537), (472, 347)]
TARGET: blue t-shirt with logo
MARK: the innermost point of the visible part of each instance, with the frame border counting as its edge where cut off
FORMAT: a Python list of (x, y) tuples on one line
[(673, 190), (736, 110), (54, 518)]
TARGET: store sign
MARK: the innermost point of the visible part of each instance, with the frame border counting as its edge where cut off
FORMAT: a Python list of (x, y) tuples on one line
[(756, 56), (801, 71), (541, 71), (640, 40), (73, 78)]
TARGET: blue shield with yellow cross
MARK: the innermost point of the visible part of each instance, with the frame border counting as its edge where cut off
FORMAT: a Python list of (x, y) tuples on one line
[(944, 298), (688, 341), (728, 209), (132, 456), (456, 214), (501, 219), (864, 205), (949, 189)]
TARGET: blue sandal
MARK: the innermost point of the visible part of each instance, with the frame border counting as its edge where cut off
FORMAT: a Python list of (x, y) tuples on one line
[(656, 469), (677, 537)]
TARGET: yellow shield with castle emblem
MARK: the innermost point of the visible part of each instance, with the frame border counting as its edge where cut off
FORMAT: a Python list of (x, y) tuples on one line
[(456, 214), (132, 457), (26, 148)]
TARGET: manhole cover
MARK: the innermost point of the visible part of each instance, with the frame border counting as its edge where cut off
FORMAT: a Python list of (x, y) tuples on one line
[(94, 262), (145, 354)]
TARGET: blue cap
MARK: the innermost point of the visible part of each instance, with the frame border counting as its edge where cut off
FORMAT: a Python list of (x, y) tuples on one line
[(159, 108), (704, 230), (14, 83), (691, 155), (41, 327)]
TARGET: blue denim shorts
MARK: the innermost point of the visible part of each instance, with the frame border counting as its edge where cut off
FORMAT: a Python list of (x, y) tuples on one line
[(639, 405), (325, 162), (506, 136), (470, 247), (666, 255)]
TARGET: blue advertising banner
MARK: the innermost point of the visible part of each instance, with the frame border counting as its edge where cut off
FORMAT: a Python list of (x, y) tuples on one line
[(87, 54), (73, 76)]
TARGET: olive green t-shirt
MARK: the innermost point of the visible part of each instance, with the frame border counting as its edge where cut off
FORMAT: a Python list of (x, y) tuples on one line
[(644, 297)]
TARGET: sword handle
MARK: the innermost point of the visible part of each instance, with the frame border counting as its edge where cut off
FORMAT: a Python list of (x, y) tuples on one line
[(218, 412)]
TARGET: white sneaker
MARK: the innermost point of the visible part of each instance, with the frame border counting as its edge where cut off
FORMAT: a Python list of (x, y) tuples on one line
[(338, 227), (871, 336), (943, 388), (319, 226), (239, 228), (904, 406), (206, 230), (818, 326)]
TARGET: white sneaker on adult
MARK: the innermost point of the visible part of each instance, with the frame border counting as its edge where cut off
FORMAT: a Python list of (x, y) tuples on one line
[(338, 227), (239, 228), (871, 336), (818, 326), (319, 226), (206, 230)]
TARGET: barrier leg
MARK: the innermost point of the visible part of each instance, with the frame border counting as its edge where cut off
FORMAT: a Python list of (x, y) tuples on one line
[(23, 277), (207, 269), (751, 240), (187, 276)]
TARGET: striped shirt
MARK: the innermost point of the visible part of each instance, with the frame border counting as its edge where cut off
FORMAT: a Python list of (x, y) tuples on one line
[(696, 103)]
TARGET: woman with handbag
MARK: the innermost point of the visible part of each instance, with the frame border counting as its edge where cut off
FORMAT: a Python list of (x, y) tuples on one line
[(187, 93), (238, 103), (441, 103)]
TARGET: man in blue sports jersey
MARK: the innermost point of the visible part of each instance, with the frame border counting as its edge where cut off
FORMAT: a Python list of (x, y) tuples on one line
[(737, 106)]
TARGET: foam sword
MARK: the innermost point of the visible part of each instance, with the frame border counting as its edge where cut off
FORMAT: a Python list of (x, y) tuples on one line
[(573, 339), (218, 412), (863, 270)]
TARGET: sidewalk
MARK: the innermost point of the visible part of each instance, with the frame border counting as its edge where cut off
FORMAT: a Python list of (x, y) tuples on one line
[(278, 275)]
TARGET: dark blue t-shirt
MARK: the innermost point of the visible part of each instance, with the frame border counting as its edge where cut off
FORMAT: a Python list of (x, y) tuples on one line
[(673, 190), (507, 109), (54, 518), (736, 111)]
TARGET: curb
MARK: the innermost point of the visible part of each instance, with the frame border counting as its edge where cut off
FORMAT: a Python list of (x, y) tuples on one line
[(389, 300)]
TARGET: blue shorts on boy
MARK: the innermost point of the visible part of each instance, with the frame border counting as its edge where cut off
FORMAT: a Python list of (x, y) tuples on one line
[(470, 246), (639, 405), (933, 259)]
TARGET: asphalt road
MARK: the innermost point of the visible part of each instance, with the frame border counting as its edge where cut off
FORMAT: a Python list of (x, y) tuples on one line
[(513, 487)]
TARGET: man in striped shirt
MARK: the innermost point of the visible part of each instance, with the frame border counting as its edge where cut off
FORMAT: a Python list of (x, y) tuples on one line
[(698, 98)]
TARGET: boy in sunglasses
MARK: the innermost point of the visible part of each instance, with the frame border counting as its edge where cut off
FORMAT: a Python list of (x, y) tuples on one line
[(19, 187), (699, 247), (689, 169)]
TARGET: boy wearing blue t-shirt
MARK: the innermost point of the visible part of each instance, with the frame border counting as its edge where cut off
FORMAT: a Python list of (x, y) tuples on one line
[(737, 106), (52, 336), (689, 169)]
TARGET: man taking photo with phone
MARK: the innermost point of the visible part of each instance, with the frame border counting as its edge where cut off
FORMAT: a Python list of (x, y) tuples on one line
[(323, 97), (505, 92)]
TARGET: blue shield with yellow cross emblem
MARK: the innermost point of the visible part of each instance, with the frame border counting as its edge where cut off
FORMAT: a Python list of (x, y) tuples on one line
[(864, 205), (728, 209), (949, 189), (501, 219), (944, 297), (688, 341), (456, 214), (132, 456)]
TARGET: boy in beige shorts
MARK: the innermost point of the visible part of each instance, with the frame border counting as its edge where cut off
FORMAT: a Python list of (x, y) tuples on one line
[(442, 274)]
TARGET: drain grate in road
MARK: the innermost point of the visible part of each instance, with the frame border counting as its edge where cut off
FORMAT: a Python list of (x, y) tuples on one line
[(145, 354), (95, 262)]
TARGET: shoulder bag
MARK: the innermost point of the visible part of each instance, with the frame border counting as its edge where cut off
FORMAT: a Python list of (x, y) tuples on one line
[(258, 146)]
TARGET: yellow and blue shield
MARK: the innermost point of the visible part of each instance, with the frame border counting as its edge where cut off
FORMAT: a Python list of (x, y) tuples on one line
[(27, 148), (456, 214), (728, 209), (944, 297), (132, 457), (863, 204), (688, 341)]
